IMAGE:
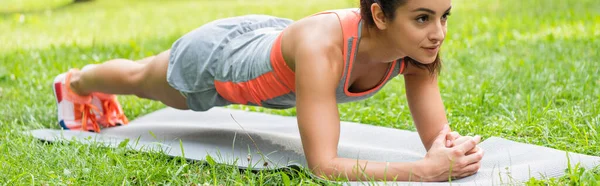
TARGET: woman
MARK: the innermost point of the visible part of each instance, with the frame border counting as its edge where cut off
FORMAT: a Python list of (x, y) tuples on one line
[(312, 64)]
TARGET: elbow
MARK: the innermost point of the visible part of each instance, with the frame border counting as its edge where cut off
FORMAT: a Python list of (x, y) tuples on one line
[(325, 169), (324, 173)]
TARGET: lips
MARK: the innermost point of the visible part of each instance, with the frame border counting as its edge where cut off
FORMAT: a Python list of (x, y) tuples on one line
[(431, 49)]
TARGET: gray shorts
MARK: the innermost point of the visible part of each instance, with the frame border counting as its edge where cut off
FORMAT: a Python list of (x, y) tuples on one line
[(230, 49)]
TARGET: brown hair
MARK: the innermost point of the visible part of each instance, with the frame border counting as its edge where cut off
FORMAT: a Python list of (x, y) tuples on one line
[(389, 10)]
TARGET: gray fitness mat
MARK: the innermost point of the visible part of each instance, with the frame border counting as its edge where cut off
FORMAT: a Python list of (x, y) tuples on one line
[(216, 133)]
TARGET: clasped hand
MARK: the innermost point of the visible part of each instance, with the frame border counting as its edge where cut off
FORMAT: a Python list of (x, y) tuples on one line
[(452, 156)]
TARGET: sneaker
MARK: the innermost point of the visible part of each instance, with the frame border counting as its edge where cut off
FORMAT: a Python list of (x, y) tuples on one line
[(75, 112), (111, 114)]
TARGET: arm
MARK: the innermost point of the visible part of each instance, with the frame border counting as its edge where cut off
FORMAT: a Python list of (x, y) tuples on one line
[(427, 107), (318, 70), (425, 103)]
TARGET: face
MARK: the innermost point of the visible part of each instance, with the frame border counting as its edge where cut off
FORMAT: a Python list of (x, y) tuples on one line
[(419, 28)]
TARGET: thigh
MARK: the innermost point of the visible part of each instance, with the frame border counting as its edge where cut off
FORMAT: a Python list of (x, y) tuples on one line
[(155, 83)]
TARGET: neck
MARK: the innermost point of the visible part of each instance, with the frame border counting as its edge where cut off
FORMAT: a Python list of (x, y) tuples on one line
[(374, 48)]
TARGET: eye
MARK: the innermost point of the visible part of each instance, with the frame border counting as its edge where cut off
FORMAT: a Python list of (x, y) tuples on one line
[(422, 18), (445, 16)]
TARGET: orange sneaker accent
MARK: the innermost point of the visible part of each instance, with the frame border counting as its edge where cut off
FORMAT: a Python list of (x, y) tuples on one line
[(86, 113), (82, 105), (112, 111)]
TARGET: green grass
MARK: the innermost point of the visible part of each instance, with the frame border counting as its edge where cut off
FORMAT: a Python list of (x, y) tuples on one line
[(15, 6), (522, 70)]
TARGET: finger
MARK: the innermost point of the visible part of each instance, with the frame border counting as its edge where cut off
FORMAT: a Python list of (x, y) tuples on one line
[(477, 138), (441, 138), (470, 170), (474, 167), (449, 140), (474, 158), (474, 150), (452, 135), (462, 139), (463, 174), (469, 144), (466, 174)]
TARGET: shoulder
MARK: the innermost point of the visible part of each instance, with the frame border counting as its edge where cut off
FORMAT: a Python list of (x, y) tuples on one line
[(321, 31), (315, 40)]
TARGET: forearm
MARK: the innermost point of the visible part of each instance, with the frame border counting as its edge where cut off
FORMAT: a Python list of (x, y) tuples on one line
[(365, 170), (426, 106)]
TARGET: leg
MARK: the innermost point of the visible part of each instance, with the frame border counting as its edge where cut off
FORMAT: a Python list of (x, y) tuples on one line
[(145, 60), (145, 79)]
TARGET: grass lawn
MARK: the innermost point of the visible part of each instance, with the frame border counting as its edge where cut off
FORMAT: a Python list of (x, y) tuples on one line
[(522, 70)]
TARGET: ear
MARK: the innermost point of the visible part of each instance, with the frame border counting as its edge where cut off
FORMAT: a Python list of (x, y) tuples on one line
[(378, 16)]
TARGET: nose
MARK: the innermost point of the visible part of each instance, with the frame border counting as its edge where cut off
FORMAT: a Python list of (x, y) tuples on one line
[(438, 32)]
